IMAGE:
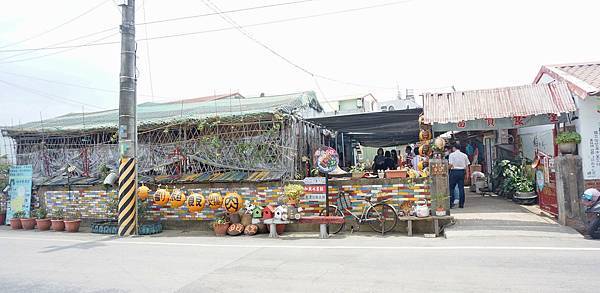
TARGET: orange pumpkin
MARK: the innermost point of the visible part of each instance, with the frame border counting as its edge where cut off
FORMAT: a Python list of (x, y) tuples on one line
[(215, 200), (232, 202), (195, 202), (424, 134), (161, 197), (177, 198), (143, 192)]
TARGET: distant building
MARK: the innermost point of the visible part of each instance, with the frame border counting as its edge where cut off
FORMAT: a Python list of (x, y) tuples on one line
[(400, 103), (361, 103)]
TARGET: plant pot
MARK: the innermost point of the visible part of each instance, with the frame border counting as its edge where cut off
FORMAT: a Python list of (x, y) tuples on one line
[(279, 228), (396, 174), (525, 198), (234, 218), (72, 226), (15, 224), (357, 175), (262, 228), (221, 229), (246, 219), (28, 223), (58, 225), (567, 148), (440, 213), (43, 224)]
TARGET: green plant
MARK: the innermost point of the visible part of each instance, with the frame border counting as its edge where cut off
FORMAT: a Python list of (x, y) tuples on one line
[(41, 213), (440, 200), (293, 192), (222, 219), (523, 184), (359, 167), (104, 171), (18, 215), (568, 137), (58, 214)]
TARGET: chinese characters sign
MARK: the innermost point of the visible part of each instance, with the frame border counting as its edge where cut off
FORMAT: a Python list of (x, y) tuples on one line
[(314, 189), (20, 190)]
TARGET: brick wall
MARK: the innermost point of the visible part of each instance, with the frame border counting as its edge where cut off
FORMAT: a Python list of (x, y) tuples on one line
[(93, 202), (592, 184)]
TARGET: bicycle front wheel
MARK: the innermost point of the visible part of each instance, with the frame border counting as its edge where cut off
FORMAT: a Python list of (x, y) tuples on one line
[(333, 211), (382, 218)]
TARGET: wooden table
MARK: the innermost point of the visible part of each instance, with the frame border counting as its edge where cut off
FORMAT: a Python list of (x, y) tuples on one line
[(435, 220)]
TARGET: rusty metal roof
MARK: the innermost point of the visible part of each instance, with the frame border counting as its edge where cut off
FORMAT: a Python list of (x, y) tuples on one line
[(583, 79), (503, 102)]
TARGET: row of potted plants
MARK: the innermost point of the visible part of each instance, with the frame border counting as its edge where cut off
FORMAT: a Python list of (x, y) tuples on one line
[(43, 223)]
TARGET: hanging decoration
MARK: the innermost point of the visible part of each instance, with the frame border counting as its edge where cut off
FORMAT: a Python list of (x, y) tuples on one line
[(232, 202), (161, 197), (177, 198), (195, 202), (215, 200), (143, 192)]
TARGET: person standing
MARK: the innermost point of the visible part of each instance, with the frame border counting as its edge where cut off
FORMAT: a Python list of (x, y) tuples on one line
[(379, 161), (458, 163)]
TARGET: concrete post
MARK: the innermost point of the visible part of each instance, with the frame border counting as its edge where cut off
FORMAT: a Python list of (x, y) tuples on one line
[(439, 183), (569, 186)]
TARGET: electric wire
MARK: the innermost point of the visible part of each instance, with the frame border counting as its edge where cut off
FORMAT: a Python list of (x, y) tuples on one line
[(56, 27), (48, 95)]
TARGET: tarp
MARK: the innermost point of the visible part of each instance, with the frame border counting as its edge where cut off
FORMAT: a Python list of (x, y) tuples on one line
[(376, 129)]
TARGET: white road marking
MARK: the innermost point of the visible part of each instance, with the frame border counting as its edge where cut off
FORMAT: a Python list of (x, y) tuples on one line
[(122, 241)]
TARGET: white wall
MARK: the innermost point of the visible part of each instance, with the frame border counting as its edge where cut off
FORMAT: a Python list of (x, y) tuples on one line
[(588, 125), (537, 138)]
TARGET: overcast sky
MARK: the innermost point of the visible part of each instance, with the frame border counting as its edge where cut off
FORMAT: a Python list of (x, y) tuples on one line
[(415, 44)]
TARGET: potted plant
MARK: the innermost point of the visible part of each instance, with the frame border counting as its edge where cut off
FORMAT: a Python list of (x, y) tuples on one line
[(293, 192), (58, 223), (524, 190), (27, 223), (220, 226), (15, 221), (567, 142), (358, 170), (73, 222), (43, 223), (439, 200)]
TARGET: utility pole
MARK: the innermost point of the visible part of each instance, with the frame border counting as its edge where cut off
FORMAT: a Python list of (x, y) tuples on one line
[(127, 211)]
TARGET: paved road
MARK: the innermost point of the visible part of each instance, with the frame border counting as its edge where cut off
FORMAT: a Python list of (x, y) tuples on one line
[(182, 262)]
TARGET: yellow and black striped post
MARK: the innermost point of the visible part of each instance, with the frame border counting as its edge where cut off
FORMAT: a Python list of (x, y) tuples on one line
[(127, 197)]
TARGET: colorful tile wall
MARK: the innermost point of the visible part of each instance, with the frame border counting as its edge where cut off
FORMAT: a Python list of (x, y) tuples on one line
[(93, 204)]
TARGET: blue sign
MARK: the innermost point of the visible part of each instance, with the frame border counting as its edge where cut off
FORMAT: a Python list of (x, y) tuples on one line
[(20, 180)]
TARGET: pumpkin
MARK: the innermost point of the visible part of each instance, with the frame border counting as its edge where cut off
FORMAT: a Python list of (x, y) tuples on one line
[(251, 230), (235, 229), (425, 150), (177, 198), (232, 202), (195, 202), (143, 192), (161, 197), (424, 134), (215, 200), (439, 143)]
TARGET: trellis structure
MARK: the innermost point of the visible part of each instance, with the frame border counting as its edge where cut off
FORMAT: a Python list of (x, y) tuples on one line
[(215, 141)]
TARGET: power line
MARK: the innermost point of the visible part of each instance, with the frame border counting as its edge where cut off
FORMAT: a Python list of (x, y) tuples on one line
[(56, 27), (48, 96), (147, 49), (92, 43), (82, 86)]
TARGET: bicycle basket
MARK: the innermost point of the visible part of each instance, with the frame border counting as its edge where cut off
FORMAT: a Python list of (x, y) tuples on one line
[(343, 201)]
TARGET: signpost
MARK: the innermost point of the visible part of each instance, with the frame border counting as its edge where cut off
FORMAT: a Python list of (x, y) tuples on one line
[(20, 178), (326, 159)]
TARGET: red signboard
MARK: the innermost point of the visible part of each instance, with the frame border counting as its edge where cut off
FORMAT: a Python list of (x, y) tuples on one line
[(314, 189)]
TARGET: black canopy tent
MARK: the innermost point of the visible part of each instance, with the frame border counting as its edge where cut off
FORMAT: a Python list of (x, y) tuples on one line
[(376, 129)]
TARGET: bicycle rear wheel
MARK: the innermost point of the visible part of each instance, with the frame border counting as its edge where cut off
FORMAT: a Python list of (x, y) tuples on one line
[(333, 211), (382, 218)]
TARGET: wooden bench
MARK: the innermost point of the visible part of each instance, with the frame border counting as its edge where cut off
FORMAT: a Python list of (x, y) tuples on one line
[(322, 221), (435, 219)]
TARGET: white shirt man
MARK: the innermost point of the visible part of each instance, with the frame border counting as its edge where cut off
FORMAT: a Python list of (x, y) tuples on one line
[(458, 160)]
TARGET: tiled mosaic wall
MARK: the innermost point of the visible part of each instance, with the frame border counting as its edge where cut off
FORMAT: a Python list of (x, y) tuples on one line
[(93, 204)]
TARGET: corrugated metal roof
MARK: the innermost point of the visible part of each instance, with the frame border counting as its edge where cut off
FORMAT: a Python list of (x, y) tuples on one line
[(157, 113), (582, 78), (504, 102)]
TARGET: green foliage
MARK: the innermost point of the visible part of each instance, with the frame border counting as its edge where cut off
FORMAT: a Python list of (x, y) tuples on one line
[(18, 215), (512, 177), (58, 214), (142, 210), (293, 192), (439, 199), (221, 219), (360, 167), (41, 213), (104, 171), (568, 137)]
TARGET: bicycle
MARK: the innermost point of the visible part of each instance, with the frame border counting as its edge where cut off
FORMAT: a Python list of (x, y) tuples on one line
[(381, 217)]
